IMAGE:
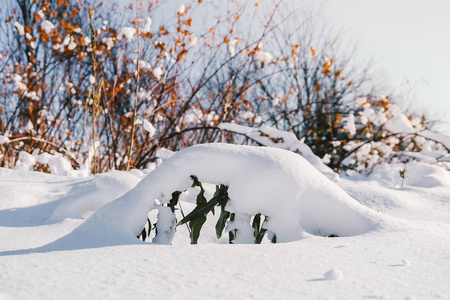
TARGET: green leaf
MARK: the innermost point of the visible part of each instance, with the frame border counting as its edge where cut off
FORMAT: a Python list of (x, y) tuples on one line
[(196, 226), (222, 195), (232, 233), (199, 211), (174, 201), (231, 236), (201, 196), (222, 221), (259, 237), (274, 239), (258, 230), (256, 222)]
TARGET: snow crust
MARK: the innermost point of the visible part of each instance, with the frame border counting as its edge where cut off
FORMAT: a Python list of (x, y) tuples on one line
[(277, 183)]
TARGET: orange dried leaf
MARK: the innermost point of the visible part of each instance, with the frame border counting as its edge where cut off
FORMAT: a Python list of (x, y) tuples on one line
[(294, 49)]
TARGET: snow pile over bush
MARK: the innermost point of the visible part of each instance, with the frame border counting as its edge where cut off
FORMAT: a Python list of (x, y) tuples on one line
[(412, 174), (273, 137), (280, 184), (379, 132)]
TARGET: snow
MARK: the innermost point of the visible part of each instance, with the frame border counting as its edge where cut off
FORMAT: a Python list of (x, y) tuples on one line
[(157, 72), (311, 203), (333, 274), (262, 56), (57, 163), (47, 26), (4, 139), (273, 137), (182, 9), (438, 137), (404, 255), (399, 124), (19, 28), (350, 124), (92, 194), (149, 128), (405, 262), (19, 83), (127, 32), (193, 40), (147, 26), (72, 45)]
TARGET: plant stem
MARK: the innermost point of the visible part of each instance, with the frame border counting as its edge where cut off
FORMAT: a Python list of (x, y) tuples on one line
[(136, 98), (95, 94)]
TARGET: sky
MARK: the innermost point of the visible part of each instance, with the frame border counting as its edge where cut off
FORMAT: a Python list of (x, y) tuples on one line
[(410, 43)]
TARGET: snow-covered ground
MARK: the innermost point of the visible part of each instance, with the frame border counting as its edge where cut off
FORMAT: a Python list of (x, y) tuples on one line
[(394, 243)]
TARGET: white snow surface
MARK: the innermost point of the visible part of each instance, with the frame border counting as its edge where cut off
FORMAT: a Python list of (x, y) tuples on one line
[(272, 137), (400, 252)]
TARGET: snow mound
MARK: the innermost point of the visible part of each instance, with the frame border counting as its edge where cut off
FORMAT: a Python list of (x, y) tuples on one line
[(280, 184), (334, 274), (417, 174), (105, 188), (426, 175), (273, 137)]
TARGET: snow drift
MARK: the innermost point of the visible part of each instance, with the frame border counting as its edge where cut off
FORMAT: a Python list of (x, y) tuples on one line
[(282, 185), (102, 189)]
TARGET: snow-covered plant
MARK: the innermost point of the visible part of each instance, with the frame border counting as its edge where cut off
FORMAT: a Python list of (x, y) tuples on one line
[(64, 77), (379, 131), (227, 221), (135, 79)]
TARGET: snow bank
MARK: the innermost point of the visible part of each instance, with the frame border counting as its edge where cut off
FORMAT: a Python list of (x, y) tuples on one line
[(280, 184)]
